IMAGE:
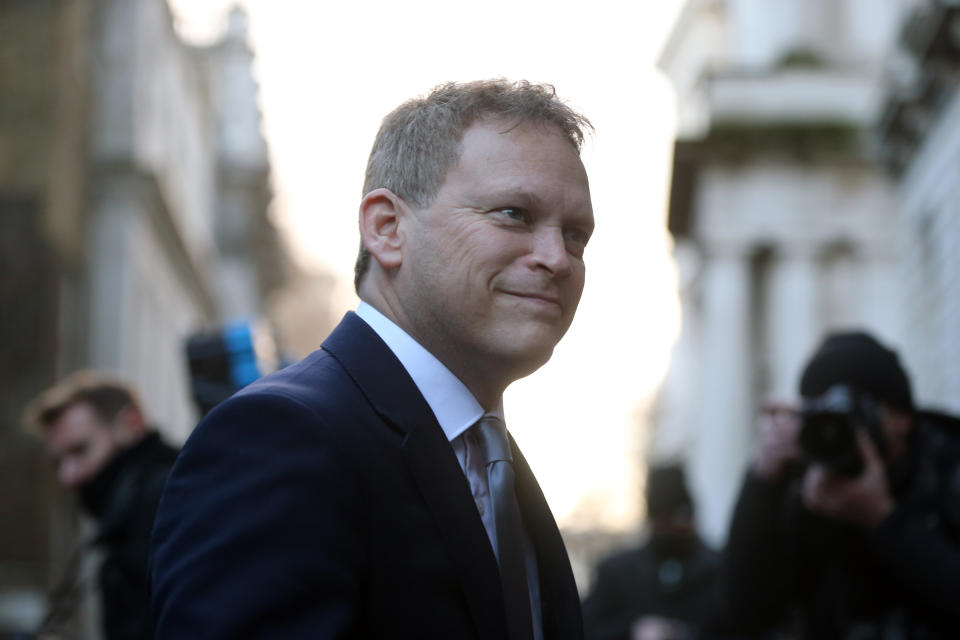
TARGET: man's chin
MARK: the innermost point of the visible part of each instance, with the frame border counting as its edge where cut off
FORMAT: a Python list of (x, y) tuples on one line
[(526, 356)]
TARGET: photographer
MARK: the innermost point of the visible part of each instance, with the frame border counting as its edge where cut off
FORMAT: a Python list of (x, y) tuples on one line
[(848, 523)]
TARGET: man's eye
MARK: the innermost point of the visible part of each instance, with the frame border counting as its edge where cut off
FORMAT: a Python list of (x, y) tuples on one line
[(513, 213), (576, 236)]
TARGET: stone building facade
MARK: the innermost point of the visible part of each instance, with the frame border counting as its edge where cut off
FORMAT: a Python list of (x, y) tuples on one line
[(919, 139), (786, 222), (133, 211)]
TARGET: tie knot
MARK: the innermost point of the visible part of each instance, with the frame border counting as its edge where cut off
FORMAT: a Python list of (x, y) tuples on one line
[(493, 440)]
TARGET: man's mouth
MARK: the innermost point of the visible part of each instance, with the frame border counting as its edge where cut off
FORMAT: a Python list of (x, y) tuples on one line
[(535, 296)]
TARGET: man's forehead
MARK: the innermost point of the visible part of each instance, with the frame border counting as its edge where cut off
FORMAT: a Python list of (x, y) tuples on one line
[(511, 130), (487, 148), (516, 161)]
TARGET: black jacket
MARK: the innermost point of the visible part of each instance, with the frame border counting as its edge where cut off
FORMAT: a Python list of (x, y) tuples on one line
[(325, 501), (899, 580), (123, 498), (651, 581)]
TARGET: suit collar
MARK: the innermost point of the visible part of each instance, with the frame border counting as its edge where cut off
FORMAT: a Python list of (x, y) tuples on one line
[(378, 373), (451, 402)]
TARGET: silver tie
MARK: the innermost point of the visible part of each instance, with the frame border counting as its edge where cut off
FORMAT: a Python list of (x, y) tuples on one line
[(507, 523)]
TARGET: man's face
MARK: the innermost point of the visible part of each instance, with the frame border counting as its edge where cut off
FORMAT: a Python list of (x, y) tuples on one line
[(80, 444), (896, 426), (493, 268)]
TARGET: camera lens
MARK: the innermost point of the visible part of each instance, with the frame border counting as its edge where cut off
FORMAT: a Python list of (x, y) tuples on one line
[(830, 439)]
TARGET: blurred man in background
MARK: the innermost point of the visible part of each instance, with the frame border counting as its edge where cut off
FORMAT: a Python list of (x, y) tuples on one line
[(665, 589), (849, 518), (101, 447)]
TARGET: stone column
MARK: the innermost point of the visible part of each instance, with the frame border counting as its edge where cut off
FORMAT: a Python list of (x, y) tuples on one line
[(723, 398), (792, 318), (110, 278), (676, 413)]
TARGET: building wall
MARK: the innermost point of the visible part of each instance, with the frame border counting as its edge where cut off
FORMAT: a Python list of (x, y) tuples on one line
[(151, 111), (748, 38), (144, 299), (929, 195), (152, 206), (113, 190), (788, 224), (42, 117)]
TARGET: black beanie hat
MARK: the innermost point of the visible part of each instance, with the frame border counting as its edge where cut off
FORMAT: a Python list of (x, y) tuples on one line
[(667, 491), (856, 359)]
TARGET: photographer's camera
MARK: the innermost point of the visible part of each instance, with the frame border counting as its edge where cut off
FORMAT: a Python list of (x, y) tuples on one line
[(828, 435)]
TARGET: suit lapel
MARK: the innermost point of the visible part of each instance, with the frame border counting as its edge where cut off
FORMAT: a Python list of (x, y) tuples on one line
[(562, 618), (447, 493), (431, 462)]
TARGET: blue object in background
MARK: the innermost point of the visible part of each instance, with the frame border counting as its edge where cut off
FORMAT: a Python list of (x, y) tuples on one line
[(238, 341), (224, 361)]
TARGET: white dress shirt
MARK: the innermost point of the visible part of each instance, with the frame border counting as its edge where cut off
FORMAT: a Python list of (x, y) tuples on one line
[(456, 411)]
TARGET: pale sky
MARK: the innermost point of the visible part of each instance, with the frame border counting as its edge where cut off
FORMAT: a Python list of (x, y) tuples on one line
[(328, 73)]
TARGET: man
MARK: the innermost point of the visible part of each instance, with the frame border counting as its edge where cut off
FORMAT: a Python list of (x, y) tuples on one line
[(368, 491), (665, 589), (861, 547), (98, 440)]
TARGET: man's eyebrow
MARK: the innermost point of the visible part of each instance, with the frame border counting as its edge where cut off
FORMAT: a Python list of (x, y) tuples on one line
[(513, 195), (523, 197)]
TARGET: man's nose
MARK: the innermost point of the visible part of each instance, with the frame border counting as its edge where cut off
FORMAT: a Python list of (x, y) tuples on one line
[(69, 474), (550, 251)]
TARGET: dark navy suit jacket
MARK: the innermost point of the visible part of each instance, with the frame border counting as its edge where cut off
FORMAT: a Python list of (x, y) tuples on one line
[(324, 501)]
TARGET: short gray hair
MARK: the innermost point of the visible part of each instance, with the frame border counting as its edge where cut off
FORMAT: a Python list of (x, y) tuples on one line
[(419, 141)]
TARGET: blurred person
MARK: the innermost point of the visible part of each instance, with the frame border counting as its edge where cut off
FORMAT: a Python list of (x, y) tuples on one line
[(371, 490), (664, 589), (102, 449), (848, 523), (223, 360)]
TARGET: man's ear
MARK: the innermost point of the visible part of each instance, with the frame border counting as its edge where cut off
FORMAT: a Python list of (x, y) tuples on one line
[(129, 425), (380, 213)]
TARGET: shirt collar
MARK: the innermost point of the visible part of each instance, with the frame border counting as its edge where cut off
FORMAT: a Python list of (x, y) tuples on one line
[(451, 402)]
